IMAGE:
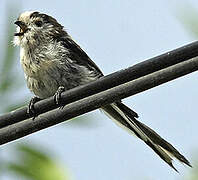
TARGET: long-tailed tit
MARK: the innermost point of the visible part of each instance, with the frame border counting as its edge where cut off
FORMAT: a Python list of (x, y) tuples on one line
[(53, 62)]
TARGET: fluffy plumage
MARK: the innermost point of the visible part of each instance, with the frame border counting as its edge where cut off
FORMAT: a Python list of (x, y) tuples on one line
[(50, 59)]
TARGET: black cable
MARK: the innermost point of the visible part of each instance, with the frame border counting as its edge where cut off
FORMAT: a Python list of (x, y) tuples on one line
[(146, 67), (95, 101)]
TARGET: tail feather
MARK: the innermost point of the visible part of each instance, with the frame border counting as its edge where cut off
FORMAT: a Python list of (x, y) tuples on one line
[(126, 117)]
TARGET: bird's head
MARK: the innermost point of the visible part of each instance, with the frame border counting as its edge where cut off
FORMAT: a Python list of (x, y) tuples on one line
[(34, 27)]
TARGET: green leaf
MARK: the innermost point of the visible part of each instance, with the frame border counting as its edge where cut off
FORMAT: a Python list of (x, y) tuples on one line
[(36, 165), (187, 15), (8, 60)]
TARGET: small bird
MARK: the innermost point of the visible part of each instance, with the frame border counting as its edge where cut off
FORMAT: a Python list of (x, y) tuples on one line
[(53, 62)]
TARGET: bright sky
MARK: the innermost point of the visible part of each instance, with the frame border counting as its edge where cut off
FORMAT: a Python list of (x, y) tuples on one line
[(117, 34)]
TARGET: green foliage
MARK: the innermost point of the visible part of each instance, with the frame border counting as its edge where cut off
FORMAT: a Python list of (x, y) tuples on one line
[(7, 62), (187, 15), (36, 165), (10, 84), (193, 174)]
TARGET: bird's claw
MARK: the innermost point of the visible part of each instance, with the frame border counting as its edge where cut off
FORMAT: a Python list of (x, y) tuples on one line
[(31, 110), (57, 96)]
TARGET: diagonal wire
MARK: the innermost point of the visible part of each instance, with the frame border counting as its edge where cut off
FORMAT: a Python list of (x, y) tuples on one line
[(26, 127), (141, 69)]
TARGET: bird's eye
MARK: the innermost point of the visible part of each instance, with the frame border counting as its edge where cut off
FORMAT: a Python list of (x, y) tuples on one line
[(38, 23)]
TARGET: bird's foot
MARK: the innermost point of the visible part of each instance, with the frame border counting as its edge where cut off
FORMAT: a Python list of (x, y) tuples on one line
[(31, 110), (57, 96)]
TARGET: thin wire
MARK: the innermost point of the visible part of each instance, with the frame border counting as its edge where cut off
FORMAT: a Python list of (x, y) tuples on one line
[(29, 126), (141, 69)]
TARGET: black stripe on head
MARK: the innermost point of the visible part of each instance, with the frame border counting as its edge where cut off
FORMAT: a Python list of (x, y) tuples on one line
[(46, 19), (34, 14)]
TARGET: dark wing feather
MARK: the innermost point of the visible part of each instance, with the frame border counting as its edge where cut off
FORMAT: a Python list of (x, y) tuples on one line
[(78, 55)]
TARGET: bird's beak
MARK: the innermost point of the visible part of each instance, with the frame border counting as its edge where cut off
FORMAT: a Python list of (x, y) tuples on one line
[(23, 28)]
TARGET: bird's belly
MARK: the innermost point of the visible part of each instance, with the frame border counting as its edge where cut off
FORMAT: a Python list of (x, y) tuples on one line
[(42, 88)]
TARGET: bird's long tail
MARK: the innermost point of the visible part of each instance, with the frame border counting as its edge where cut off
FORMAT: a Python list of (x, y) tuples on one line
[(126, 117)]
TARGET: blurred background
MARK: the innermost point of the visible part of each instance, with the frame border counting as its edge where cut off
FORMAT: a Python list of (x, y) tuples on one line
[(116, 34)]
